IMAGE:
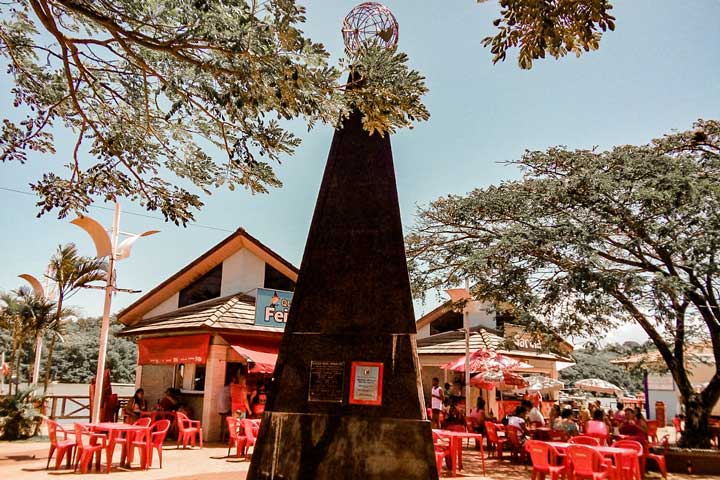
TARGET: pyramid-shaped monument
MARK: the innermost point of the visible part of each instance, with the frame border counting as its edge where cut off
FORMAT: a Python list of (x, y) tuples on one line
[(347, 401)]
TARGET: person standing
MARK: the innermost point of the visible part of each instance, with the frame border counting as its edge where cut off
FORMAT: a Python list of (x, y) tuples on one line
[(438, 398), (239, 398)]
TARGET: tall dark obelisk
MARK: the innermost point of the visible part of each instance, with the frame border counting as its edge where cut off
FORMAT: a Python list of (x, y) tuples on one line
[(347, 401)]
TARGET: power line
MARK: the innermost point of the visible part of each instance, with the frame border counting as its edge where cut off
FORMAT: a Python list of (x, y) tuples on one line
[(125, 212)]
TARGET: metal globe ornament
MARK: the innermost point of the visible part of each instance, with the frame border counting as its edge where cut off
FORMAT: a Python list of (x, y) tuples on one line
[(370, 23)]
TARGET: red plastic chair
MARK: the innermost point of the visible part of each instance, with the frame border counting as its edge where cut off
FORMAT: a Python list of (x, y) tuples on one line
[(442, 452), (558, 436), (237, 439), (652, 431), (251, 429), (677, 423), (63, 447), (496, 443), (85, 451), (158, 431), (544, 460), (584, 440), (631, 465), (587, 462), (659, 458), (188, 430), (514, 434)]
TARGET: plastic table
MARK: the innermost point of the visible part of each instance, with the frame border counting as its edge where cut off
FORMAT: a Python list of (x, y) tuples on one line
[(456, 439)]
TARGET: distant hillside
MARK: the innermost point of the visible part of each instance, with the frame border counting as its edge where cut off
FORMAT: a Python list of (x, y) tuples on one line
[(592, 362)]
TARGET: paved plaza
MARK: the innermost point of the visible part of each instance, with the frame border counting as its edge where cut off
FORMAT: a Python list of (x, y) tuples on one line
[(26, 460)]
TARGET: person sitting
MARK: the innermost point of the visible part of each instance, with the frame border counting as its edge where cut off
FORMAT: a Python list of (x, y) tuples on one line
[(258, 399), (536, 416), (640, 420), (597, 426), (454, 417), (135, 406), (567, 423), (478, 416), (518, 421), (170, 400), (554, 419), (619, 416)]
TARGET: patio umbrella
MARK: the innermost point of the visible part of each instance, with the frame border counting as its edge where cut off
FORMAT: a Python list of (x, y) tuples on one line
[(598, 385), (539, 383), (483, 360), (502, 380)]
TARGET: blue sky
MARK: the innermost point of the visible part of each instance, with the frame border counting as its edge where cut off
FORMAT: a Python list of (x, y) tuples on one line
[(657, 72)]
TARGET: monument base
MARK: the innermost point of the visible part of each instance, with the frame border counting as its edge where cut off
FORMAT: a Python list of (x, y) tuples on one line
[(304, 446)]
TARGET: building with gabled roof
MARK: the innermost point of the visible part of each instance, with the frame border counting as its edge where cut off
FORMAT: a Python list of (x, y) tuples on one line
[(441, 340), (221, 314)]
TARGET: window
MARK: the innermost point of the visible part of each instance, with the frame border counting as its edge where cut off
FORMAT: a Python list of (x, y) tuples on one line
[(204, 288), (446, 323), (277, 281), (199, 378)]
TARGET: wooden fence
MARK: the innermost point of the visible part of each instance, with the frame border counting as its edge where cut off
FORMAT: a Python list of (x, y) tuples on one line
[(72, 407)]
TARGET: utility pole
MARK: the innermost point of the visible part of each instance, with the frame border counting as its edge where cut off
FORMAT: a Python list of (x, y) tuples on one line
[(466, 327)]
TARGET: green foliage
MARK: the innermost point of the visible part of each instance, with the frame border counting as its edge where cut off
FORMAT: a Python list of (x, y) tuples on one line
[(76, 356), (553, 27), (384, 90), (595, 363), (589, 240), (155, 88), (19, 417)]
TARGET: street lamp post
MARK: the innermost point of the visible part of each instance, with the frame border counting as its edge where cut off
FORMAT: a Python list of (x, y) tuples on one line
[(107, 246)]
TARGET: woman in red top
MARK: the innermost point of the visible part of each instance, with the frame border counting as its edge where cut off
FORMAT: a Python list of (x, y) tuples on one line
[(597, 427)]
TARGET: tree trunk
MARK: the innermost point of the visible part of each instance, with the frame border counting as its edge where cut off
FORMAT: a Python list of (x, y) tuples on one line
[(697, 432), (48, 364)]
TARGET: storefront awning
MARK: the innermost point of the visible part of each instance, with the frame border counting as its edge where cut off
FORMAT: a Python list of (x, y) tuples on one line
[(262, 355), (173, 350)]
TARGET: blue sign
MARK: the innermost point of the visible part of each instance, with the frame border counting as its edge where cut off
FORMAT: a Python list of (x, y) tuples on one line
[(272, 307)]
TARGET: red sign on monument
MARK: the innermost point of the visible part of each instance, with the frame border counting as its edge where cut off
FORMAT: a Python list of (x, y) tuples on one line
[(366, 383)]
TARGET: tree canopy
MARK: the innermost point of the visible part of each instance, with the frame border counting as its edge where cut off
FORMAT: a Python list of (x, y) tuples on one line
[(588, 239), (551, 27), (153, 89)]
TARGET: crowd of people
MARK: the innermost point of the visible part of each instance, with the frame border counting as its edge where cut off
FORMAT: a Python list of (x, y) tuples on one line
[(571, 419), (588, 419)]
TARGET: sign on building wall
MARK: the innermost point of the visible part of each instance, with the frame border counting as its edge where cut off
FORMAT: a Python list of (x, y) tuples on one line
[(366, 383), (272, 307), (660, 382)]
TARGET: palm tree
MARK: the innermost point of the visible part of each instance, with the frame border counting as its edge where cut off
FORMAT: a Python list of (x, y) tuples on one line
[(37, 312), (70, 272), (24, 315)]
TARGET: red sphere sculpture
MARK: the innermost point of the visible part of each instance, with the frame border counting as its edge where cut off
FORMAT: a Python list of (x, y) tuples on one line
[(370, 23)]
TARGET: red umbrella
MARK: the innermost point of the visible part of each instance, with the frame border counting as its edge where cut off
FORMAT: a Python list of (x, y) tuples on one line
[(502, 380), (483, 360)]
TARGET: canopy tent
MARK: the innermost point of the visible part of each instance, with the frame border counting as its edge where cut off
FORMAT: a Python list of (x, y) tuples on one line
[(173, 350), (598, 385)]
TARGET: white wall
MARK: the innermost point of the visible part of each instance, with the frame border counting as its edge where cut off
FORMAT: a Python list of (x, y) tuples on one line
[(242, 273), (167, 306), (424, 331), (481, 314)]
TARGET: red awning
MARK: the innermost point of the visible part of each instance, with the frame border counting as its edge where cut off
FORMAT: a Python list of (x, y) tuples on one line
[(262, 354), (173, 350)]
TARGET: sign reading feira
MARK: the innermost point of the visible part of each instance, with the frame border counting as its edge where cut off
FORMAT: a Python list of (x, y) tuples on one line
[(272, 307)]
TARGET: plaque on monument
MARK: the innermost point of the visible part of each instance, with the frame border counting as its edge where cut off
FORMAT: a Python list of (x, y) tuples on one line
[(366, 383), (326, 381)]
